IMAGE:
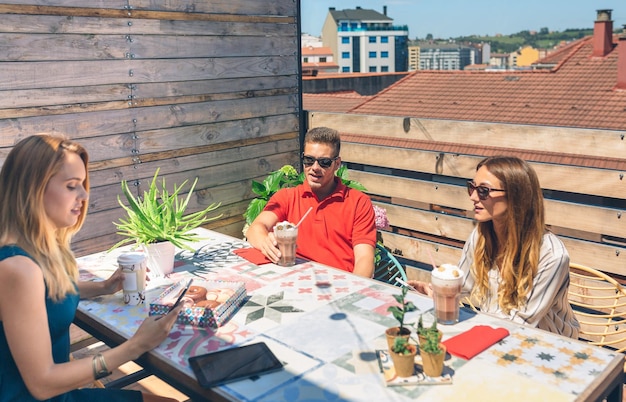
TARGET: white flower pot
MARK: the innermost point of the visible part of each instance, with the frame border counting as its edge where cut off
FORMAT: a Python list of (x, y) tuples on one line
[(160, 258)]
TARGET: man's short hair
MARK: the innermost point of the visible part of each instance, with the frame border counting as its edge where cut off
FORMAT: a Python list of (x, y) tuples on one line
[(324, 135)]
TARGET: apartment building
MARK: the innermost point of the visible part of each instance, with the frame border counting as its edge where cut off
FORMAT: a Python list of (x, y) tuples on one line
[(316, 60), (414, 57), (365, 41), (445, 56)]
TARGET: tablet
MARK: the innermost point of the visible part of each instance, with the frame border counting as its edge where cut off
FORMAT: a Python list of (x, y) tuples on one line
[(233, 364)]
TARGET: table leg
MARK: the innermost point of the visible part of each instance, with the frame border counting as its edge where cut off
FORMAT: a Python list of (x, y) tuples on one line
[(617, 393)]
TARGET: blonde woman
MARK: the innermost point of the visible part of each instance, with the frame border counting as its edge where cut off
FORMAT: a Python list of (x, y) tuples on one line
[(44, 189), (514, 267)]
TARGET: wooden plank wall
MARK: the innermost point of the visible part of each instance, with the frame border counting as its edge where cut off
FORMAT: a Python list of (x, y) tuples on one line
[(423, 188), (195, 88)]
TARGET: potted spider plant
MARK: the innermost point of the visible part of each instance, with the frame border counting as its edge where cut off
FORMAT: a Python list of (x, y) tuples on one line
[(404, 306), (403, 357), (157, 222)]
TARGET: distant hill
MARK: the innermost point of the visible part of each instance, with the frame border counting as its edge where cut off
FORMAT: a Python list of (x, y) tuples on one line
[(542, 39)]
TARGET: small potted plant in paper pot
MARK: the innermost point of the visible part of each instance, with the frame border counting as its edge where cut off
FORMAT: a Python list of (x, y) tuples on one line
[(433, 352), (422, 331), (403, 356), (399, 312), (157, 221)]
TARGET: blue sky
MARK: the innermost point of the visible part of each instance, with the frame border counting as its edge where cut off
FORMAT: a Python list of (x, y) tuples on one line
[(453, 18)]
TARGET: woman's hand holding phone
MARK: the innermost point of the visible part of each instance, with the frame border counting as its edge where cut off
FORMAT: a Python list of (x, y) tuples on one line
[(182, 294)]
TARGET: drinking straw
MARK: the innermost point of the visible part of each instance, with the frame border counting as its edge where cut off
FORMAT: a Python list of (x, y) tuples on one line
[(432, 260), (403, 283), (307, 212)]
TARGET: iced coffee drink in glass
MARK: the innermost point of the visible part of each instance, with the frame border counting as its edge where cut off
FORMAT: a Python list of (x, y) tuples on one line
[(447, 281), (286, 234)]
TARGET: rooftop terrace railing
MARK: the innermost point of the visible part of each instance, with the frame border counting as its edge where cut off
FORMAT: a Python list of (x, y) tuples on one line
[(417, 168)]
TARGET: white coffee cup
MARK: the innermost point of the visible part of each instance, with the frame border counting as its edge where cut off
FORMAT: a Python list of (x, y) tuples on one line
[(134, 268)]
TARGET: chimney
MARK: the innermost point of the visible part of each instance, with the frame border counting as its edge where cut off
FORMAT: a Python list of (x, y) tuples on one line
[(385, 11), (621, 60), (602, 34)]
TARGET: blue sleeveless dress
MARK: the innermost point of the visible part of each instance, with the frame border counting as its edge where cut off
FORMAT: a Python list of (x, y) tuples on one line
[(60, 316)]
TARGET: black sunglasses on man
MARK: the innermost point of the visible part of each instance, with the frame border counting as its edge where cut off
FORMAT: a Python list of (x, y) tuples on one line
[(323, 162)]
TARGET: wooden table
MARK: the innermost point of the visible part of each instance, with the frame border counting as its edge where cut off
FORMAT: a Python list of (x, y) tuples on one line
[(327, 336)]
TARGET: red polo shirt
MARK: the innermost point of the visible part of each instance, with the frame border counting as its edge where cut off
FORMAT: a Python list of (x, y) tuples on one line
[(335, 225)]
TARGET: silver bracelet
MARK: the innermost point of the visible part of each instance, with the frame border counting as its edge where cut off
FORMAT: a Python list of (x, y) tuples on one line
[(103, 371)]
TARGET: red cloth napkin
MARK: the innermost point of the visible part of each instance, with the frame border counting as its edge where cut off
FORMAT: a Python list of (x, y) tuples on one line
[(253, 255), (470, 343)]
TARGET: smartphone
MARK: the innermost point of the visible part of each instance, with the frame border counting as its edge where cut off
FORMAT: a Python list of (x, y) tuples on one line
[(182, 294), (233, 364)]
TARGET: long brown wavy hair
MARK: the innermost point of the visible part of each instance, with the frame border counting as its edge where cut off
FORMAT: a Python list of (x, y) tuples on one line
[(23, 180), (524, 229)]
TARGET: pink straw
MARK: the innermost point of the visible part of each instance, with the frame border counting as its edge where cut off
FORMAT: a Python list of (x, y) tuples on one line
[(307, 212), (432, 260)]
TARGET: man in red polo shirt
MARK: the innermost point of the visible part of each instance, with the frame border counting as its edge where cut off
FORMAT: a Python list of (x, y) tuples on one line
[(340, 230)]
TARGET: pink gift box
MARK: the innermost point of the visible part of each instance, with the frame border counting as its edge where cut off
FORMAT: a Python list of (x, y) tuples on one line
[(221, 301)]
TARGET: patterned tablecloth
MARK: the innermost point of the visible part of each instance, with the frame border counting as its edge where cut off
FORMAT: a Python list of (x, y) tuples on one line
[(327, 336)]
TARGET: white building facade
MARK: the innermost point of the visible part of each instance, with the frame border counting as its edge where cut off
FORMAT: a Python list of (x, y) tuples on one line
[(365, 41)]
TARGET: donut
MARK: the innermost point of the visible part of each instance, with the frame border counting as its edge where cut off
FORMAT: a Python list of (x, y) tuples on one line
[(225, 294), (212, 295), (196, 293), (187, 301), (207, 303)]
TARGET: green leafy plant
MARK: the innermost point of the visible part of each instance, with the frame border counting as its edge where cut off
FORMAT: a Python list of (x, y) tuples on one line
[(404, 307), (420, 329), (286, 176), (342, 173), (432, 340), (402, 346), (159, 215)]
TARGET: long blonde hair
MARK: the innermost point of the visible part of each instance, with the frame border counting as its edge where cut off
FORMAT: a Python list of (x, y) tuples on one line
[(24, 177), (524, 229)]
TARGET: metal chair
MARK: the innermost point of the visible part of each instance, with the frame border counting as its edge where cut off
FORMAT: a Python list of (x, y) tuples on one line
[(387, 268), (599, 304)]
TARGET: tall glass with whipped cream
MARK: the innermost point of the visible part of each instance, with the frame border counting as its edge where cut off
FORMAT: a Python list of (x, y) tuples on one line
[(286, 234), (447, 282)]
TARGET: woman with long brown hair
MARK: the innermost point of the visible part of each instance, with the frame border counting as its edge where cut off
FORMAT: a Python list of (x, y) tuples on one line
[(514, 267), (44, 188)]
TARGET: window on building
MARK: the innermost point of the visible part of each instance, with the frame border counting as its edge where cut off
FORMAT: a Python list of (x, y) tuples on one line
[(306, 60), (372, 55), (384, 39), (322, 59), (372, 69), (354, 25), (344, 26), (345, 55), (345, 40), (384, 69), (372, 39), (345, 69), (384, 55)]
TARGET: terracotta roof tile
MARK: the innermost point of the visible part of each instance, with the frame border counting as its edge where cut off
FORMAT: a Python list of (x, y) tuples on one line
[(578, 92), (317, 51), (339, 102)]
